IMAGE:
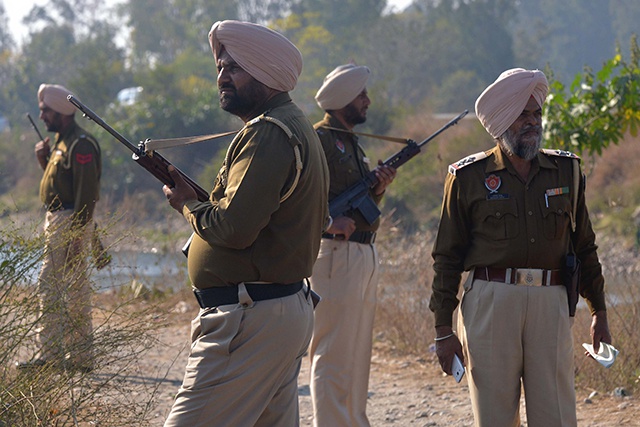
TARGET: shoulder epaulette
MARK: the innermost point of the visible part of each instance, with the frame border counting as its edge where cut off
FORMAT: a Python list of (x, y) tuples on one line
[(293, 140), (454, 167), (273, 120), (559, 153)]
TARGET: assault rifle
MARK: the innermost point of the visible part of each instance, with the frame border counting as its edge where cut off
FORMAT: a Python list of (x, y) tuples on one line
[(151, 161), (357, 198)]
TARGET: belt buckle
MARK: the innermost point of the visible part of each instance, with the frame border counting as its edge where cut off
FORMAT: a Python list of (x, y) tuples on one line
[(529, 277)]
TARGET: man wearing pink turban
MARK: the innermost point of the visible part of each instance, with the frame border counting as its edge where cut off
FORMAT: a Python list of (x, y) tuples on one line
[(515, 218), (69, 190), (346, 271), (255, 241)]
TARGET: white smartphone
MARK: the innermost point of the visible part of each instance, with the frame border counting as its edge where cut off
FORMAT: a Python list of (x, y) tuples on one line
[(456, 368)]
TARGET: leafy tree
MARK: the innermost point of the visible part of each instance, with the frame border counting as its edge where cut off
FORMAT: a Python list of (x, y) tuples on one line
[(346, 19), (6, 41), (598, 109), (163, 29), (567, 34)]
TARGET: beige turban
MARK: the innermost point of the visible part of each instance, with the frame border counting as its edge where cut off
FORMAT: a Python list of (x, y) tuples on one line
[(341, 86), (504, 100), (55, 97), (267, 56)]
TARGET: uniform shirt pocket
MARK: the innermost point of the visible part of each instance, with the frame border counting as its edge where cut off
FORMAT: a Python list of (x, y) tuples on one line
[(556, 216), (498, 219)]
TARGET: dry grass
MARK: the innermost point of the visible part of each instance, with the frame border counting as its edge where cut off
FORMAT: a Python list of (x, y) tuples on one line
[(117, 392)]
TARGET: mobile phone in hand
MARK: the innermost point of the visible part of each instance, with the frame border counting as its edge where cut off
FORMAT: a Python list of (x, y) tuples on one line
[(457, 369)]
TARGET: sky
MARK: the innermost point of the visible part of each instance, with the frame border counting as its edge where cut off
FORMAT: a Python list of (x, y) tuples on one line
[(18, 9)]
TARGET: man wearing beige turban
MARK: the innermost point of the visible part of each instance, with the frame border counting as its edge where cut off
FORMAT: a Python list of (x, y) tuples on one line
[(346, 272), (255, 241), (69, 190), (513, 217)]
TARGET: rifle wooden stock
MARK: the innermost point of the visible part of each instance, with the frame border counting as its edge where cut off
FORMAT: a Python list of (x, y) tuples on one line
[(357, 198), (153, 162)]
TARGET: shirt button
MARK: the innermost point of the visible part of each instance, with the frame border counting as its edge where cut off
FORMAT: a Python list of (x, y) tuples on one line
[(533, 240), (498, 214), (559, 211), (530, 213)]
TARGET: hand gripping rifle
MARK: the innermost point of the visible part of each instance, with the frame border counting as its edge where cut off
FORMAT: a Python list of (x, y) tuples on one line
[(151, 161), (357, 197)]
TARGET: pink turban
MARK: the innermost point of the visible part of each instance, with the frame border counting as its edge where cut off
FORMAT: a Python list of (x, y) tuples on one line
[(55, 97), (504, 100), (266, 55), (341, 86)]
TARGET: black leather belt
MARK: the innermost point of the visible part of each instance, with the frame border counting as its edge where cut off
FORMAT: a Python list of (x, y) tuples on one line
[(223, 295), (519, 276), (57, 206), (365, 237)]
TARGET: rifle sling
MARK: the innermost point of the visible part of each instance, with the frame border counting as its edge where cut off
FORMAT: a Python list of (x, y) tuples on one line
[(370, 135), (156, 144)]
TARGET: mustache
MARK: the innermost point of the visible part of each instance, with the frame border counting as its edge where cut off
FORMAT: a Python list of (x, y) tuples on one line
[(534, 128), (227, 87)]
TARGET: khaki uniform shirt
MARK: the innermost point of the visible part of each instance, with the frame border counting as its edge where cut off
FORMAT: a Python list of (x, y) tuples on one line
[(244, 233), (347, 163), (491, 218), (71, 179)]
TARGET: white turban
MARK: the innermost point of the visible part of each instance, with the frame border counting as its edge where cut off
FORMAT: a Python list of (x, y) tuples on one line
[(55, 97), (268, 56), (504, 100), (341, 86)]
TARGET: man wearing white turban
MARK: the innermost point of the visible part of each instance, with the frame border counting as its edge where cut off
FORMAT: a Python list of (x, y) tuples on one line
[(346, 271), (69, 190), (254, 242), (515, 217)]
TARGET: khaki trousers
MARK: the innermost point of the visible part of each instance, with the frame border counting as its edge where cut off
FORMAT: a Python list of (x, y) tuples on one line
[(346, 276), (513, 337), (65, 331), (244, 363)]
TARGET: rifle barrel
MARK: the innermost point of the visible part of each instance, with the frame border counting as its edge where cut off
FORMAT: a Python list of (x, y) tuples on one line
[(452, 122), (93, 116), (35, 127)]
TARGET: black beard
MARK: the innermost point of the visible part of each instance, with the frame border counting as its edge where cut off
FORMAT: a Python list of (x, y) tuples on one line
[(353, 116), (55, 124), (242, 103)]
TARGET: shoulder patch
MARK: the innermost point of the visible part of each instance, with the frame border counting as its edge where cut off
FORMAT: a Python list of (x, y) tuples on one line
[(559, 153), (454, 167)]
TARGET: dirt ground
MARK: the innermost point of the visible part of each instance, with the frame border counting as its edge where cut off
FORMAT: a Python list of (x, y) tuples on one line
[(403, 391)]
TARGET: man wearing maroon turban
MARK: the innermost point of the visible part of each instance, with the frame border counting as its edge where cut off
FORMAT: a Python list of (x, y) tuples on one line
[(513, 216), (255, 241)]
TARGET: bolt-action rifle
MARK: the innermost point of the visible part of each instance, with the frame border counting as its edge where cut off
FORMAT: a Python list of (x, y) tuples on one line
[(357, 197), (152, 161)]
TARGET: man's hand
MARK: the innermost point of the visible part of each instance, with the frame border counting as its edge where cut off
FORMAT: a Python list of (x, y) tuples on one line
[(447, 347), (599, 330), (342, 225), (385, 175), (42, 152), (181, 193)]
